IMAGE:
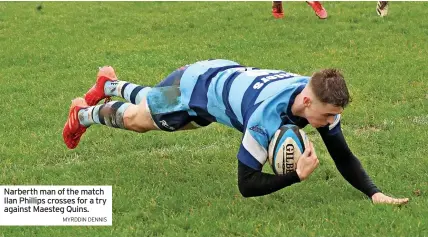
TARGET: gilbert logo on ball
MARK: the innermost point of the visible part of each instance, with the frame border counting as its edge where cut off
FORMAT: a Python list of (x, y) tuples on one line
[(285, 148)]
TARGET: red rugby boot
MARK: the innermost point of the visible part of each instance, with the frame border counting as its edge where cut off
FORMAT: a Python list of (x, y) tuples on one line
[(73, 130), (96, 93)]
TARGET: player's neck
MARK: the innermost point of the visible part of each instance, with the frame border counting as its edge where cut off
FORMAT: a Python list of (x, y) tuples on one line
[(298, 108)]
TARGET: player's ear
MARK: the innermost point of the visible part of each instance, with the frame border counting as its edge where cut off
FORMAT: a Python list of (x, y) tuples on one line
[(307, 101)]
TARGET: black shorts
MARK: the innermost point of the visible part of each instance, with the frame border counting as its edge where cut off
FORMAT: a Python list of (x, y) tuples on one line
[(165, 106)]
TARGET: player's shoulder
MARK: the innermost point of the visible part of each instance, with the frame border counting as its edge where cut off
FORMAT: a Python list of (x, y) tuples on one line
[(263, 125)]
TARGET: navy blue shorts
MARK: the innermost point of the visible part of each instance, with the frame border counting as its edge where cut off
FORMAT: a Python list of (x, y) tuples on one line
[(165, 104)]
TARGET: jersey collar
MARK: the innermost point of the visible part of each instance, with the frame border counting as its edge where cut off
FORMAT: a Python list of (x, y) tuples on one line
[(288, 116)]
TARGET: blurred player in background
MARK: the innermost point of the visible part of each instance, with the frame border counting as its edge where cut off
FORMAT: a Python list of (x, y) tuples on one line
[(382, 8), (278, 10)]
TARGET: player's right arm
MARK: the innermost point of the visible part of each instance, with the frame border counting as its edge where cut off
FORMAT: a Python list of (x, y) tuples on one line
[(251, 157)]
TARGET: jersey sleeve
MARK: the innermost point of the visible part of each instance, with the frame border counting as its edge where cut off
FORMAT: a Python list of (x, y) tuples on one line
[(254, 147), (348, 165), (259, 126)]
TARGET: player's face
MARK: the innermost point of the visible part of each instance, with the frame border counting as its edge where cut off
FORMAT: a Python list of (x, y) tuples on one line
[(321, 114)]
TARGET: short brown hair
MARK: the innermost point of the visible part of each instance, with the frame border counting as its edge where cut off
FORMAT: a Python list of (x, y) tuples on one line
[(329, 87)]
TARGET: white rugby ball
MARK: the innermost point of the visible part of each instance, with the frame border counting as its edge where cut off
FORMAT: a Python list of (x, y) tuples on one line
[(285, 148)]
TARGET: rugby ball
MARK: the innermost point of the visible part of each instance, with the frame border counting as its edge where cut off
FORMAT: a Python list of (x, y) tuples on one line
[(286, 146)]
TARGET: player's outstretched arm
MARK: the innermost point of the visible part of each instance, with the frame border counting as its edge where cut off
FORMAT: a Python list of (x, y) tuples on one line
[(351, 169)]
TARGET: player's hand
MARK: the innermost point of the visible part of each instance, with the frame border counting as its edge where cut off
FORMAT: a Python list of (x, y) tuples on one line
[(380, 198), (307, 163)]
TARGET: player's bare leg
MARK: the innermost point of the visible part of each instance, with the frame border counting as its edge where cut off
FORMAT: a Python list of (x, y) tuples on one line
[(134, 116), (114, 114), (137, 118)]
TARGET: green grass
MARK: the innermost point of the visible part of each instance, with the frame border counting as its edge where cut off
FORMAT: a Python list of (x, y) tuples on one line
[(185, 183)]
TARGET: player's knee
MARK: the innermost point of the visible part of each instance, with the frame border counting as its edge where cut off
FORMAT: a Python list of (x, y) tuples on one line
[(132, 120)]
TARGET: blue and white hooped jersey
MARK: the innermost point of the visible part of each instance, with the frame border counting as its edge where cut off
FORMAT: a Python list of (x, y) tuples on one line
[(254, 101)]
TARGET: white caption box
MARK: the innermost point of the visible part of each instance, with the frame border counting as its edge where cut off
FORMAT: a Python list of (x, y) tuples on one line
[(55, 205)]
